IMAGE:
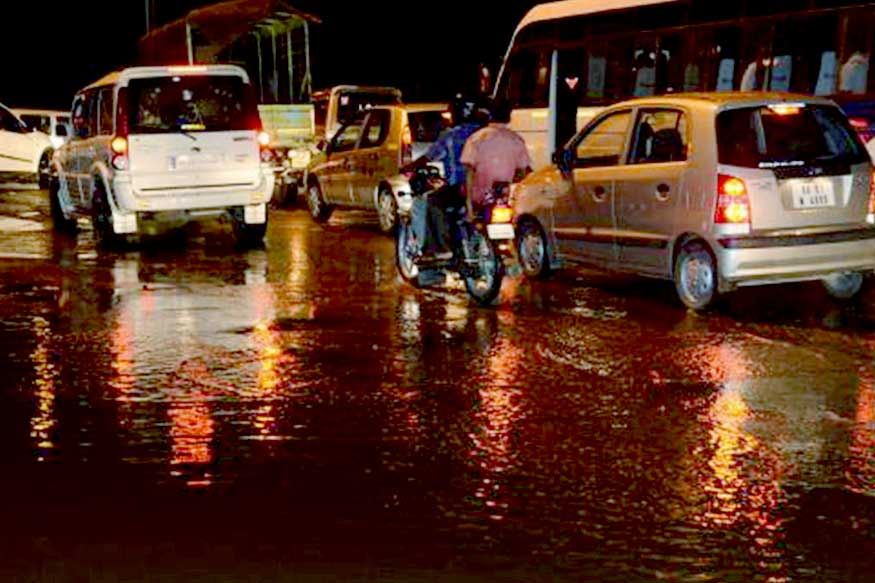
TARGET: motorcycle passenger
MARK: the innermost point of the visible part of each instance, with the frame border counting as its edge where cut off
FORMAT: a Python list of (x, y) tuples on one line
[(495, 154), (429, 222)]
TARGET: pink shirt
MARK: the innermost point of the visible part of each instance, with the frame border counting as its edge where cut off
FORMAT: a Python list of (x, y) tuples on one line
[(495, 153)]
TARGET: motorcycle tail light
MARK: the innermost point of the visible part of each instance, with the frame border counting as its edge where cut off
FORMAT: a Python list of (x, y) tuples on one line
[(501, 214)]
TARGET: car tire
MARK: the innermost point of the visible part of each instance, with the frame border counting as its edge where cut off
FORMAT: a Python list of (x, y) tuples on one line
[(247, 235), (101, 219), (843, 286), (695, 276), (60, 221), (387, 211), (319, 210), (533, 249), (44, 170)]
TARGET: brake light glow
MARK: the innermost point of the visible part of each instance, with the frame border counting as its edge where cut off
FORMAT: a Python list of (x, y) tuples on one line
[(871, 217), (119, 144), (786, 108), (501, 214), (733, 204)]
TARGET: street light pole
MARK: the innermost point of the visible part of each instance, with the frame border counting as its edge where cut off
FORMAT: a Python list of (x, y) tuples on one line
[(150, 13)]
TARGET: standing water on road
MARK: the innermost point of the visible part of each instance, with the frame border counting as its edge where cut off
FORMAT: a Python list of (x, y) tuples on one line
[(296, 411)]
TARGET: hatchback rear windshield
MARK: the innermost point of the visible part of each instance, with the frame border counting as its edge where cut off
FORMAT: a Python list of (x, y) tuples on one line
[(787, 136), (426, 126), (190, 103)]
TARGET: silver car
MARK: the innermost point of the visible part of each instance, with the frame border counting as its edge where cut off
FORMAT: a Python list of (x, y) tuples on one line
[(711, 191)]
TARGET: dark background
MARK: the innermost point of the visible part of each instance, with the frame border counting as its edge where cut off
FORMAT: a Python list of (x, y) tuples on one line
[(428, 49)]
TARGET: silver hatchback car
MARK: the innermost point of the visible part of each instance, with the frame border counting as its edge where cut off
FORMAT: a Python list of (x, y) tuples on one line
[(712, 191)]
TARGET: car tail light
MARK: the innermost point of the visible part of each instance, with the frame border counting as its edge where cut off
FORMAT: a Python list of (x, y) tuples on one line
[(733, 204), (872, 196), (406, 146), (501, 214), (264, 146), (119, 144)]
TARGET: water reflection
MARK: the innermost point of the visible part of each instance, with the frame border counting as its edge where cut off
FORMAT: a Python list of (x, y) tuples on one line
[(861, 470), (43, 421)]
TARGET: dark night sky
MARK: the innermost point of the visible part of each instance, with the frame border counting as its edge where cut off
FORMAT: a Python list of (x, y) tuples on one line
[(54, 50)]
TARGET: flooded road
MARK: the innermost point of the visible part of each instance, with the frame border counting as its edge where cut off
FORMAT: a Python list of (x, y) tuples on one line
[(185, 411)]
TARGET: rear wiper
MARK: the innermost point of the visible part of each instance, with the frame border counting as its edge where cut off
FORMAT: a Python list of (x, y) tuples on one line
[(188, 135)]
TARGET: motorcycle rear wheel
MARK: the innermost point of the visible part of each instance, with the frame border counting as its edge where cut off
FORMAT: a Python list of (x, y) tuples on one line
[(484, 288)]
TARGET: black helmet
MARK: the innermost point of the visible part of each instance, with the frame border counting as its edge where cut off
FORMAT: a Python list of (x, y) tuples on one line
[(463, 109)]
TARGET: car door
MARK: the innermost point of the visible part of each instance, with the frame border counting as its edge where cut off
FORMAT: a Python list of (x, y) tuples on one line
[(649, 188), (584, 220), (335, 175), (374, 158), (16, 147)]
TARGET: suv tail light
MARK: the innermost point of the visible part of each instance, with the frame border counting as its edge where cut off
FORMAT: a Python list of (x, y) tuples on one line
[(119, 144), (733, 204)]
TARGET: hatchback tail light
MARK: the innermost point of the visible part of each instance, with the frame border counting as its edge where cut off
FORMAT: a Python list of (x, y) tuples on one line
[(406, 146), (733, 204), (119, 144)]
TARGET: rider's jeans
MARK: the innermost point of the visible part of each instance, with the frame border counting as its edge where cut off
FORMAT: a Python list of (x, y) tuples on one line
[(418, 220)]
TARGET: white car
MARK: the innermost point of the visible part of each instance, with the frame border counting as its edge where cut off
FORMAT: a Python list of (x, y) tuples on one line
[(159, 146), (22, 151), (55, 124)]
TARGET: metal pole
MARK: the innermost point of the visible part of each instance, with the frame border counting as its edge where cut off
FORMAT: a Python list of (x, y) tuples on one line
[(291, 68), (148, 16), (188, 43), (260, 76), (307, 83), (275, 85)]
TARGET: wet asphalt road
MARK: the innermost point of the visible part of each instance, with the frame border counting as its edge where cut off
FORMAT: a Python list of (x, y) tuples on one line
[(184, 411)]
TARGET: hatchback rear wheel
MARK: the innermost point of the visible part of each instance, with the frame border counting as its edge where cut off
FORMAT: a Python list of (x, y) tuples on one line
[(695, 276)]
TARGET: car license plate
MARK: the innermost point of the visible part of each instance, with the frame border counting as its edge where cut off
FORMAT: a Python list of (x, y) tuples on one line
[(813, 194), (500, 231)]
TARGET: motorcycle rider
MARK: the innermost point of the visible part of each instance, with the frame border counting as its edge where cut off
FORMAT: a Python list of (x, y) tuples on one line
[(428, 217), (495, 154)]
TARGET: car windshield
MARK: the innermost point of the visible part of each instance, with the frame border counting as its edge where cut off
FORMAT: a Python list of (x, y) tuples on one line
[(352, 104), (190, 103), (786, 135), (426, 126)]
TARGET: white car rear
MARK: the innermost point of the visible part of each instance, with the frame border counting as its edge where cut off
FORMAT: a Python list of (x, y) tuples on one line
[(166, 144)]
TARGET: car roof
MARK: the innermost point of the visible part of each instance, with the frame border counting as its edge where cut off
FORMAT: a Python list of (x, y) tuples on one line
[(125, 75), (50, 112), (420, 107), (722, 100)]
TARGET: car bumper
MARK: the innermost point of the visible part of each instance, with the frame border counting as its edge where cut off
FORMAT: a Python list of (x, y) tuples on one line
[(760, 262), (129, 200)]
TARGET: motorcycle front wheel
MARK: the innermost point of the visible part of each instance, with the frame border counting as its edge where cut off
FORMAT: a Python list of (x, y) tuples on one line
[(485, 286), (405, 252)]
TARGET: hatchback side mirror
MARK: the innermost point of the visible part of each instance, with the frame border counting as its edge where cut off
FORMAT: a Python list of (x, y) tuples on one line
[(564, 160)]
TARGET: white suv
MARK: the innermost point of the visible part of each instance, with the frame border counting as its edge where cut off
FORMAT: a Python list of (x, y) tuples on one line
[(22, 151), (162, 146)]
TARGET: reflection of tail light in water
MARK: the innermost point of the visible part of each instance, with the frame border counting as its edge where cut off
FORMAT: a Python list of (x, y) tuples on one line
[(861, 466), (191, 432)]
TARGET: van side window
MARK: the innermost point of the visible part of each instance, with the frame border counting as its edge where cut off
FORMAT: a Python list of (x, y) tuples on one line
[(604, 144), (106, 111), (80, 118), (660, 136), (9, 123)]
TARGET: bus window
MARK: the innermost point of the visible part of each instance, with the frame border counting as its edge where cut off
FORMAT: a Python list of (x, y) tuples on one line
[(529, 78), (811, 40), (644, 61), (718, 50), (678, 68), (856, 31), (756, 57)]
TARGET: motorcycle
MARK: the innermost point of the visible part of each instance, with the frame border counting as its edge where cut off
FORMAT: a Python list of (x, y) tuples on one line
[(482, 243)]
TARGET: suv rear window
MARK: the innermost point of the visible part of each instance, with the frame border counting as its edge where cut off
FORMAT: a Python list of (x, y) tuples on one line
[(190, 103), (787, 136)]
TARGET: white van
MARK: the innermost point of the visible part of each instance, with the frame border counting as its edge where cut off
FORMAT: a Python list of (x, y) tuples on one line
[(55, 124), (164, 145), (23, 152)]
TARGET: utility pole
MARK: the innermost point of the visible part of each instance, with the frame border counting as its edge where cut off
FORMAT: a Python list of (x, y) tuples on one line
[(150, 15)]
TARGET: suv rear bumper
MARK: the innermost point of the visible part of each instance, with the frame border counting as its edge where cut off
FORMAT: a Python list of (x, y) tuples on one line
[(128, 200), (753, 261)]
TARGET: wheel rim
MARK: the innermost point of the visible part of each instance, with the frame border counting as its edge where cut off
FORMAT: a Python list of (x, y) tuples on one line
[(844, 285), (532, 251), (408, 268), (386, 211), (315, 201), (697, 277), (487, 266)]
